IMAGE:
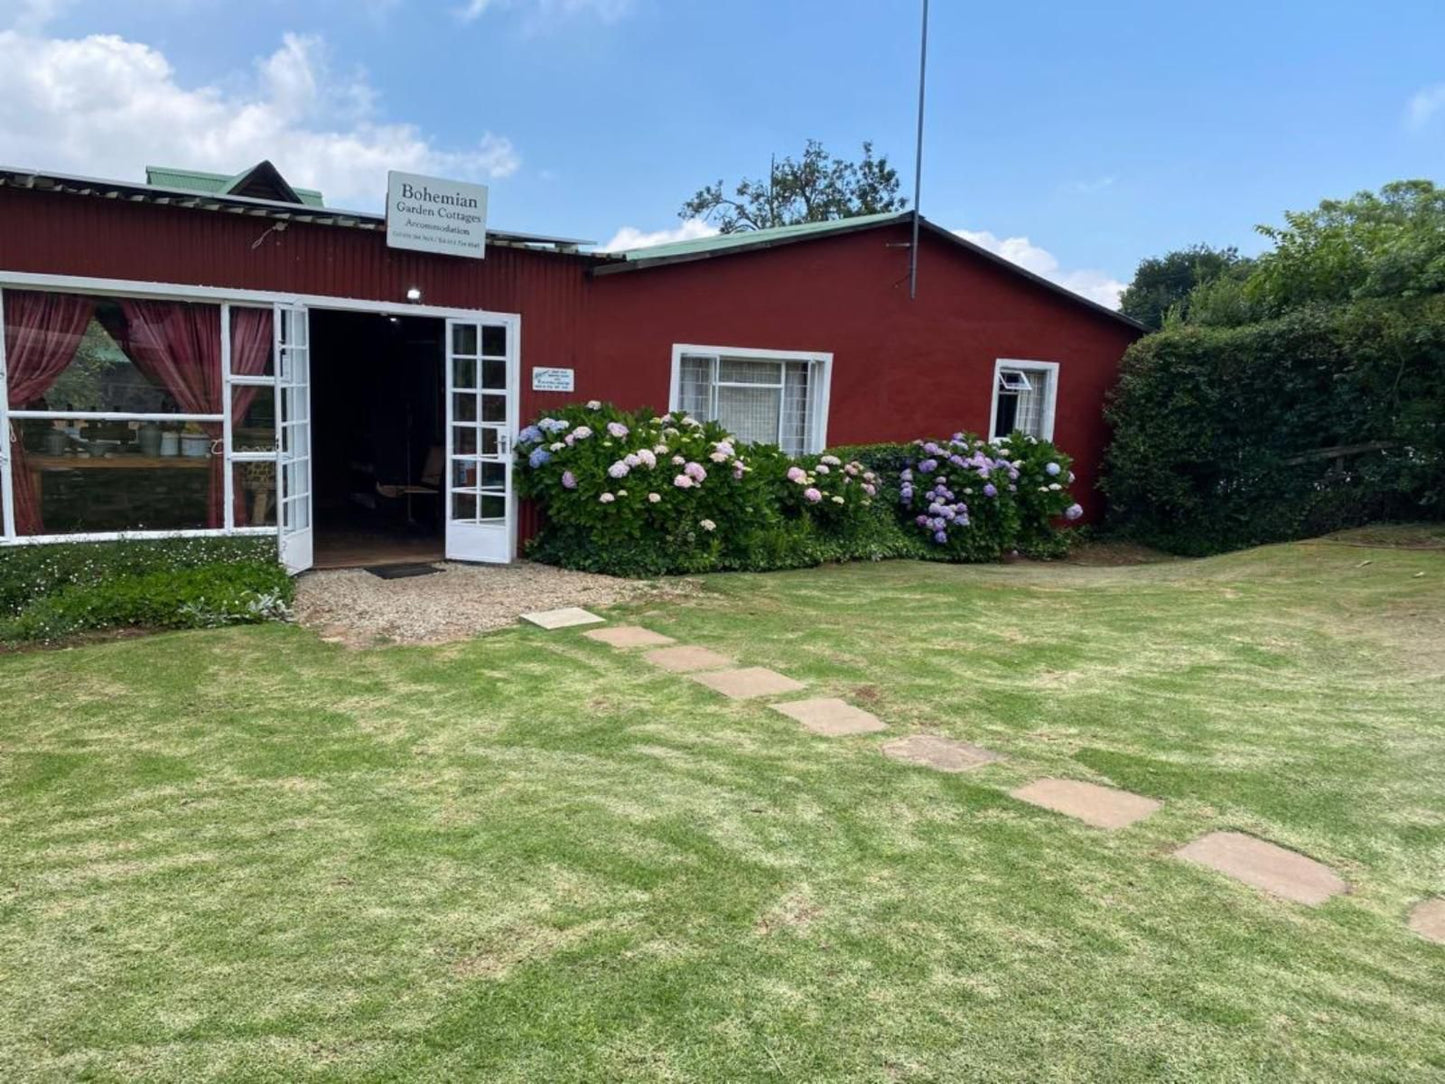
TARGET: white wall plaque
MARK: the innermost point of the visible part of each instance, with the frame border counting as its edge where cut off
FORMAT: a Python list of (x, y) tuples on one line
[(428, 214), (552, 379)]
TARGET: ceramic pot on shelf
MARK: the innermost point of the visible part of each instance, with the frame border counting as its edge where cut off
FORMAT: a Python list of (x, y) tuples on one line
[(170, 444), (148, 439), (195, 445)]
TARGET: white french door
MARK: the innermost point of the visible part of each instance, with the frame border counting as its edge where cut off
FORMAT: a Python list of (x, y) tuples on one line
[(293, 435), (481, 418)]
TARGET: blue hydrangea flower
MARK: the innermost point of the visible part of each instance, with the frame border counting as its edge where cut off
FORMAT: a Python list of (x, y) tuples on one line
[(941, 537), (530, 435), (1052, 470), (990, 490), (928, 466), (538, 457)]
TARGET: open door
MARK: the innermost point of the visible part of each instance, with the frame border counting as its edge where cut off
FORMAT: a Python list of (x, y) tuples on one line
[(481, 417), (293, 436)]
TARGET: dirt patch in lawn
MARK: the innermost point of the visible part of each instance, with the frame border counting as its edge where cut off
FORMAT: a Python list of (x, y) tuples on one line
[(355, 608)]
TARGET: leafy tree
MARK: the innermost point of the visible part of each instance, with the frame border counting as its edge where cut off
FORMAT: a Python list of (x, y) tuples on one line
[(1390, 244), (1163, 284), (814, 188)]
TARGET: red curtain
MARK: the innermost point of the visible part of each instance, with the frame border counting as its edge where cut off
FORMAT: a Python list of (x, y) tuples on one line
[(250, 354), (178, 346), (42, 333)]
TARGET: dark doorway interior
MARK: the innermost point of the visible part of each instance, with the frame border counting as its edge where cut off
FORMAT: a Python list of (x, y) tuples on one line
[(377, 433)]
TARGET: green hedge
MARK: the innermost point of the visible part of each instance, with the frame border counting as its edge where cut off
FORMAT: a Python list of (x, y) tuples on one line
[(51, 592), (1217, 431)]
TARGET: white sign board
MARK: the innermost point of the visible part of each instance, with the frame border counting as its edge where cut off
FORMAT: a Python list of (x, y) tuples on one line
[(552, 379), (427, 214)]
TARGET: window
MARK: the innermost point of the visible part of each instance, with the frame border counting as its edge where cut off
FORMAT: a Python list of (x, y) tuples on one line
[(1023, 398), (120, 409), (771, 397)]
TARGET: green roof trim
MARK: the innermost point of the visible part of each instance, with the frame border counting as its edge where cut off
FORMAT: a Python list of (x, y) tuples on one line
[(723, 241), (215, 184)]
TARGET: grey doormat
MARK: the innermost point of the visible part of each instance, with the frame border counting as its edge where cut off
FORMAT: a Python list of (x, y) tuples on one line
[(401, 572)]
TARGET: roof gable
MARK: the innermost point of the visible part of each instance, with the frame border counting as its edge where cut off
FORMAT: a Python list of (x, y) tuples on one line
[(261, 181)]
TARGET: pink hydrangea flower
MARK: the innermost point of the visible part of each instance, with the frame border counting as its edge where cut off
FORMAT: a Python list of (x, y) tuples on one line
[(682, 481), (646, 458), (812, 495), (696, 472), (617, 429), (797, 474), (618, 470)]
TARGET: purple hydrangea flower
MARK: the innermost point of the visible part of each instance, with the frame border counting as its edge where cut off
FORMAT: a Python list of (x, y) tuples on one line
[(569, 480), (990, 490), (617, 429), (1052, 470), (941, 537), (618, 470), (1074, 511), (538, 457), (928, 466)]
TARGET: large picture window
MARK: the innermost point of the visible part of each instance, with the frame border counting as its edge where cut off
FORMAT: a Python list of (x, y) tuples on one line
[(1023, 398), (757, 395), (120, 411)]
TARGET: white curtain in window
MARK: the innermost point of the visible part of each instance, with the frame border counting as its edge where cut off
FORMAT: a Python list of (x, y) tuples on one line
[(1030, 416), (694, 392), (750, 414)]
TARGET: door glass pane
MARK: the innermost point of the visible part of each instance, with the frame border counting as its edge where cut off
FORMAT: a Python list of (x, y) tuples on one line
[(253, 346), (494, 341), (464, 339), (254, 485), (494, 476), (298, 513), (494, 408), (493, 507), (464, 439), (494, 374), (464, 407), (464, 473), (464, 506), (464, 372), (298, 478), (490, 443)]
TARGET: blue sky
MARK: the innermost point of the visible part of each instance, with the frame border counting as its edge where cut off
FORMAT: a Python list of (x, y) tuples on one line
[(1075, 138)]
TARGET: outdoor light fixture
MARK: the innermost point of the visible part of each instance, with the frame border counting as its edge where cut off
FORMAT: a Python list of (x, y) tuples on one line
[(413, 294)]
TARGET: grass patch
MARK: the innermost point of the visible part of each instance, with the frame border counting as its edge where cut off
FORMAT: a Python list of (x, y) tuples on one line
[(244, 853)]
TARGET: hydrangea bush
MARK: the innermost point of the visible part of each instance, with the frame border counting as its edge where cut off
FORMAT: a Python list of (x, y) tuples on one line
[(641, 494), (976, 500)]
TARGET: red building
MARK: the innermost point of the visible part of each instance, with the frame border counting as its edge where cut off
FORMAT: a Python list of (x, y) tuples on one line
[(203, 354)]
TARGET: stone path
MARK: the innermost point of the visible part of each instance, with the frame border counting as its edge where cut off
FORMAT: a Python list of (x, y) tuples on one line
[(945, 754), (1103, 807), (1265, 865), (1257, 862), (749, 682), (831, 717)]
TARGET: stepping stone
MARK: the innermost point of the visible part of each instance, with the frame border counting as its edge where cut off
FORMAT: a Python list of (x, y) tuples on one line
[(562, 619), (629, 636), (831, 717), (1103, 807), (685, 660), (749, 682), (1428, 920), (1265, 865), (943, 754)]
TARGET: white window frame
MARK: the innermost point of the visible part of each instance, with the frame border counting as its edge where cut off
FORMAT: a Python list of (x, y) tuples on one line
[(225, 297), (820, 380), (1051, 397)]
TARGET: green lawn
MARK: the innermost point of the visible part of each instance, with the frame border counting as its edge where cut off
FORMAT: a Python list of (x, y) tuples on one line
[(247, 854)]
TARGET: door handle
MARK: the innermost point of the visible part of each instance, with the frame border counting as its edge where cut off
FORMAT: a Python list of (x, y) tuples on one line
[(504, 443)]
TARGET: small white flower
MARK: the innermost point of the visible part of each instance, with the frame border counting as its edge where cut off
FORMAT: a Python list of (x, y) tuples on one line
[(593, 404), (707, 525), (654, 497)]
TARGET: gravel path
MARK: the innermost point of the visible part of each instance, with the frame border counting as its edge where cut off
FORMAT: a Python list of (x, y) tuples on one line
[(354, 607)]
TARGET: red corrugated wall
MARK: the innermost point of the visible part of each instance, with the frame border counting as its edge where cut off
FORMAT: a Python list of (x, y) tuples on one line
[(901, 369)]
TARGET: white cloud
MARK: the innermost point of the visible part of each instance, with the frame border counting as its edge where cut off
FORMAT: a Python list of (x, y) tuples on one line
[(542, 13), (631, 237), (1095, 285), (105, 106), (1424, 104)]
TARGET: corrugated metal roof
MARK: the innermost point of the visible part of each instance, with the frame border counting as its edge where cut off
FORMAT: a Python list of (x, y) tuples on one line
[(195, 180), (722, 241)]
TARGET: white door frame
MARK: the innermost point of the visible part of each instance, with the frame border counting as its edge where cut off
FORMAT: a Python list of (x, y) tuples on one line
[(85, 284), (295, 478), (479, 541)]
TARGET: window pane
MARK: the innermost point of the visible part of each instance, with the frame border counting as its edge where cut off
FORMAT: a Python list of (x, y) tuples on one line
[(494, 374), (464, 506), (1006, 417), (494, 408), (114, 476), (464, 339), (253, 346), (254, 486), (494, 476), (464, 407), (133, 356), (464, 439), (494, 341), (1030, 416), (796, 419), (253, 419), (738, 371), (750, 414), (490, 444), (694, 386), (493, 508), (464, 372), (464, 473)]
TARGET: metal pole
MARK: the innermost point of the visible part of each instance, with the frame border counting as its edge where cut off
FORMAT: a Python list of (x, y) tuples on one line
[(918, 160)]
